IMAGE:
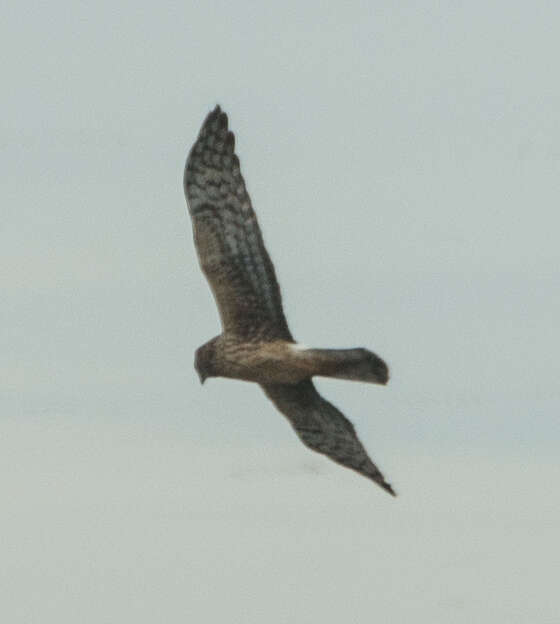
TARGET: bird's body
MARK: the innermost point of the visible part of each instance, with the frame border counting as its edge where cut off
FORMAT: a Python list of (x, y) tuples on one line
[(283, 362), (256, 344), (261, 362)]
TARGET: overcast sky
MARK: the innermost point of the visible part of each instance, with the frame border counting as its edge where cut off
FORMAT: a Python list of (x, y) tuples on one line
[(404, 163)]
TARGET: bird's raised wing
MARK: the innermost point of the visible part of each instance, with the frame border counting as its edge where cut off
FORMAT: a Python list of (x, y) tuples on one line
[(228, 239), (323, 428)]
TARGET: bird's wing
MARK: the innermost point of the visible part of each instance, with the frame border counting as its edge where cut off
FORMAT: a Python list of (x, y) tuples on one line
[(323, 428), (228, 240)]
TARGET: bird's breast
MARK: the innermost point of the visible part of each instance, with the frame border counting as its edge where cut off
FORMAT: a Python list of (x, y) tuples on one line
[(277, 362)]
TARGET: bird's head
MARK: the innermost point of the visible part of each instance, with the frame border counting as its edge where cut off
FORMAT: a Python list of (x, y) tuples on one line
[(205, 360)]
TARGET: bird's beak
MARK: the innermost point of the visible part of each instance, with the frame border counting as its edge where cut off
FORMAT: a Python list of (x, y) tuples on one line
[(202, 378)]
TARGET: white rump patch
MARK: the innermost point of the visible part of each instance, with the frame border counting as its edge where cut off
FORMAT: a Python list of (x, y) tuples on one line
[(298, 346)]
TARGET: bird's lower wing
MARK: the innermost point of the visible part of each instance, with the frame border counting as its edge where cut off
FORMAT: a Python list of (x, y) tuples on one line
[(323, 428)]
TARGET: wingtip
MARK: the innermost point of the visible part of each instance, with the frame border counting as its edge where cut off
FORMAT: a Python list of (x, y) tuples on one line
[(388, 488), (216, 114)]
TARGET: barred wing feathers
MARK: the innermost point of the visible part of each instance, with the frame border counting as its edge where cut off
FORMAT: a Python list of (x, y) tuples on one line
[(323, 428), (228, 239)]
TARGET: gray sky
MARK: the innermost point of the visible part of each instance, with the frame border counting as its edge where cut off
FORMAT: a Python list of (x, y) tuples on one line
[(404, 162)]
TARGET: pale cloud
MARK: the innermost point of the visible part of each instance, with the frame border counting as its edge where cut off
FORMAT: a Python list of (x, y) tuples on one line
[(403, 162)]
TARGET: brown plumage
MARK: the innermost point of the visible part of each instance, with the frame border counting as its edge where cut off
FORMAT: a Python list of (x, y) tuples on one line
[(256, 343)]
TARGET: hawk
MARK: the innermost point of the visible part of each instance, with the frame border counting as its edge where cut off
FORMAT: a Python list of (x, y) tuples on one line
[(256, 344)]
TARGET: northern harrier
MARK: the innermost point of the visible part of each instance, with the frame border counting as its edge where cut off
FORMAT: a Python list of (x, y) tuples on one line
[(256, 344)]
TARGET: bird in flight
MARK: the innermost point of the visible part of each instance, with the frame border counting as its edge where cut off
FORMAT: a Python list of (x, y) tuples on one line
[(256, 344)]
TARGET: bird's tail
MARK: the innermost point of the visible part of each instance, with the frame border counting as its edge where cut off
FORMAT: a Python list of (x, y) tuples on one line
[(354, 364)]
